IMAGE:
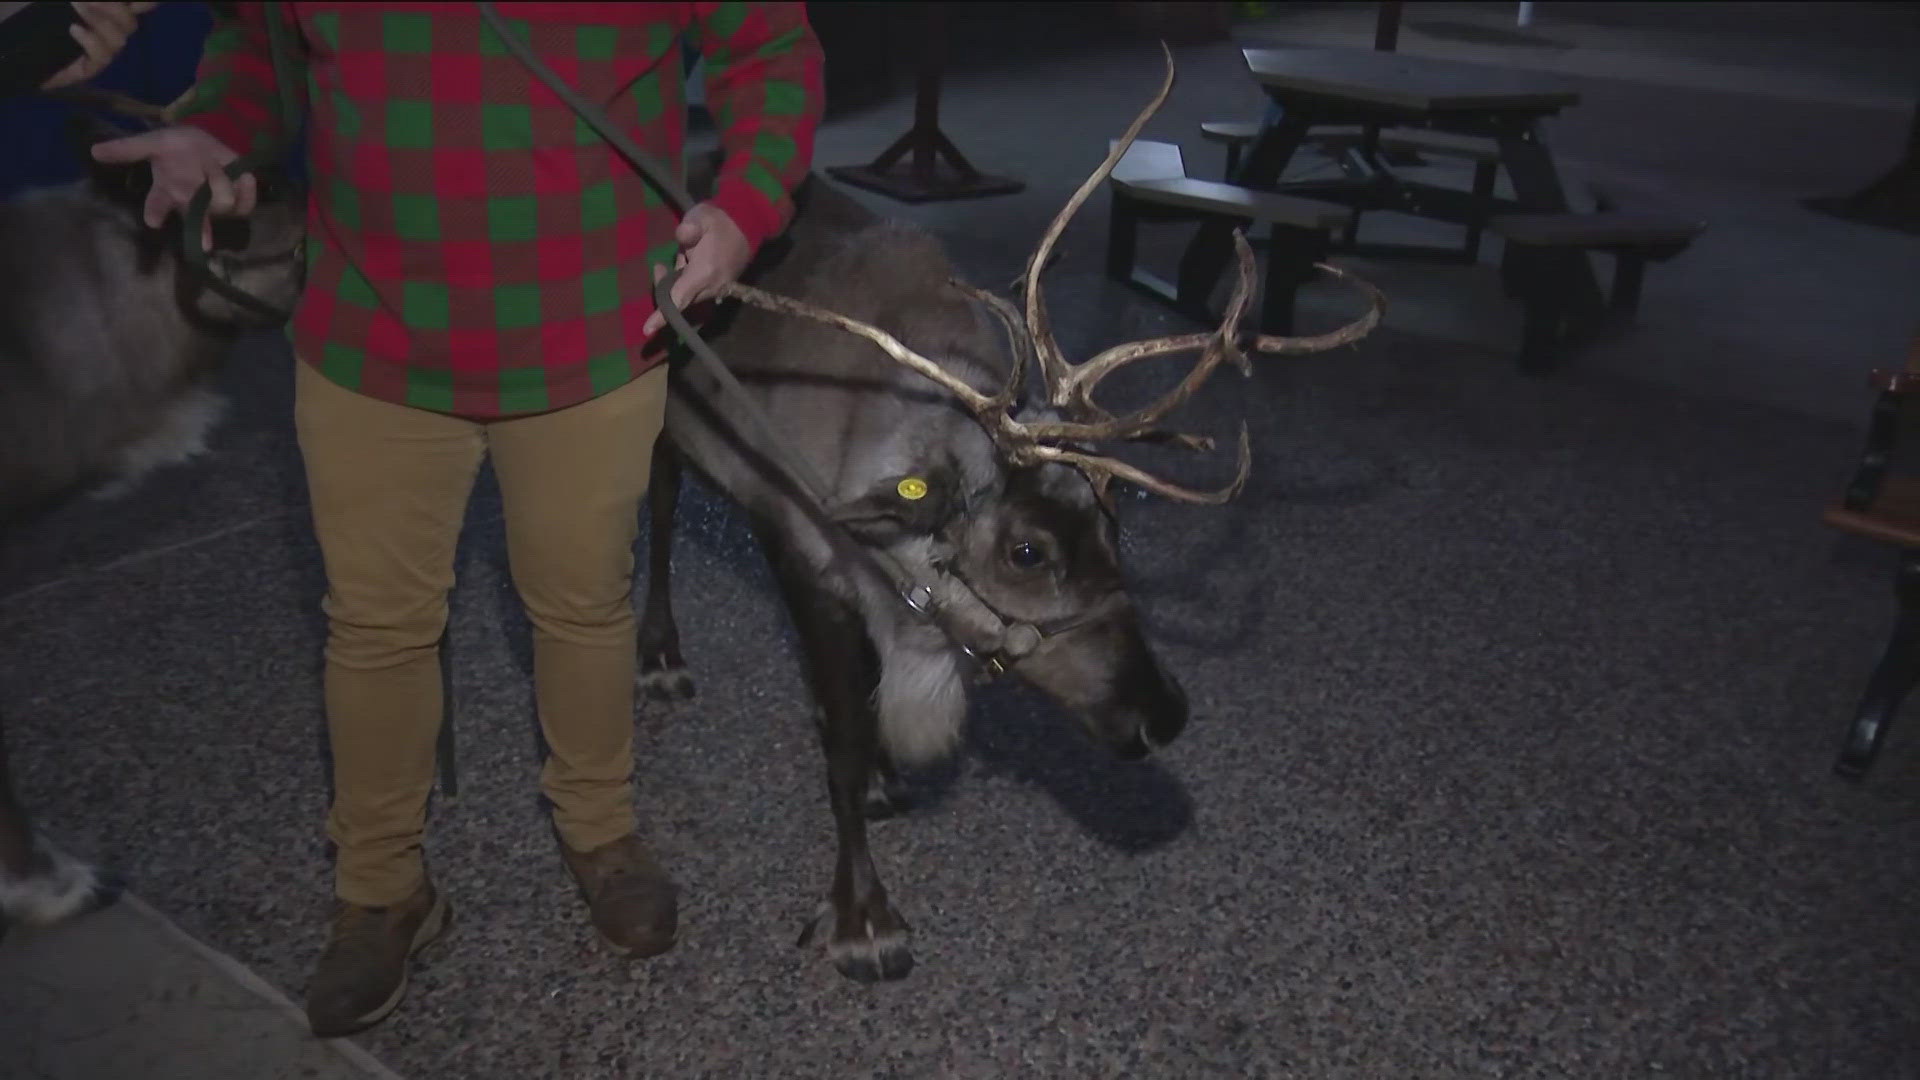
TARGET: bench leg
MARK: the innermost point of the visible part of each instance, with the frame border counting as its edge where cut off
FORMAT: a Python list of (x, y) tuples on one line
[(1290, 258), (1534, 280), (1193, 292), (1484, 175), (1893, 678), (1882, 431), (1629, 270), (1123, 226), (1122, 258), (1233, 160)]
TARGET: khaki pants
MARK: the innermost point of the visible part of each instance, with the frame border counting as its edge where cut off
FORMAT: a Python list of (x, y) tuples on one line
[(389, 487)]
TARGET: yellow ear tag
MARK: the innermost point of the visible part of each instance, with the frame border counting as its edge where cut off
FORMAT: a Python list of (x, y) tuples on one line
[(912, 488)]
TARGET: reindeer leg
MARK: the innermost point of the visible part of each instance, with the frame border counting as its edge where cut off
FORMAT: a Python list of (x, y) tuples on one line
[(39, 884), (16, 832), (870, 939), (887, 797), (663, 672)]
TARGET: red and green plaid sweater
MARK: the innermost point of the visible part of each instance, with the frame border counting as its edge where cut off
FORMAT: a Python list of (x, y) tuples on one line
[(474, 247)]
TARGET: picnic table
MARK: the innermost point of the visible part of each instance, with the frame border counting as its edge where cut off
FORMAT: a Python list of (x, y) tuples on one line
[(1321, 87)]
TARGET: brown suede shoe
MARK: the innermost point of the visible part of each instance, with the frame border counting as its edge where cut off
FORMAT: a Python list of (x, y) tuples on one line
[(362, 973), (634, 905)]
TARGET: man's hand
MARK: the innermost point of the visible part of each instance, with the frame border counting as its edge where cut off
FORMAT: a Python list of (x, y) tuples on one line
[(714, 253), (103, 32), (183, 158)]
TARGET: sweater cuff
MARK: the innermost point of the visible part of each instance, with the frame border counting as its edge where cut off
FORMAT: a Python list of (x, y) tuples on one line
[(758, 219)]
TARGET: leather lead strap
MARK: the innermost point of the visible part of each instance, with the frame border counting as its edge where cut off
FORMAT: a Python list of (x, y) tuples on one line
[(916, 593)]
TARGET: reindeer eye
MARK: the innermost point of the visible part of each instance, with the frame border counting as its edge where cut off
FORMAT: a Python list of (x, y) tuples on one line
[(1025, 556)]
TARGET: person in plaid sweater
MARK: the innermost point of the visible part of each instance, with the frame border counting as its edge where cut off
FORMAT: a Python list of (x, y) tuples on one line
[(480, 270)]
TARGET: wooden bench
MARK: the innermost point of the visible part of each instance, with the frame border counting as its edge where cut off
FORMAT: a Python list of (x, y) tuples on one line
[(1887, 510), (1484, 153), (1410, 144), (1150, 184), (1236, 134), (1397, 146), (1539, 249)]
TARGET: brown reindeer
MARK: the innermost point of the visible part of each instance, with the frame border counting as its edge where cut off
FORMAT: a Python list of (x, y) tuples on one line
[(904, 389), (108, 347)]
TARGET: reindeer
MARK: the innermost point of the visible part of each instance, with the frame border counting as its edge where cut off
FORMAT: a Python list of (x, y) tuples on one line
[(943, 487), (108, 349)]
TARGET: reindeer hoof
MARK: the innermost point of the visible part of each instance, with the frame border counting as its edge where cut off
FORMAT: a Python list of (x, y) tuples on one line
[(869, 946), (887, 799), (881, 805), (57, 889), (665, 683)]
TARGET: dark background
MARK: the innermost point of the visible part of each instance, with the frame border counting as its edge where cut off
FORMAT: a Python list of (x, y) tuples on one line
[(157, 65), (872, 52)]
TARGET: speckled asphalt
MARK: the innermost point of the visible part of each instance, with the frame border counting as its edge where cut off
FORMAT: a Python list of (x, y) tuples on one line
[(1515, 702)]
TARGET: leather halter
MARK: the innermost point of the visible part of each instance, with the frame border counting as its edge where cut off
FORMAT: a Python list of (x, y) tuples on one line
[(993, 639)]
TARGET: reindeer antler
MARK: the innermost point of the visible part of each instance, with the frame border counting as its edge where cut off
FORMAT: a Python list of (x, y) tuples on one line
[(1053, 365), (1017, 341), (1070, 387)]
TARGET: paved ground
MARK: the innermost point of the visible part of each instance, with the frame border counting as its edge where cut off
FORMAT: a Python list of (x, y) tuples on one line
[(126, 993), (1515, 699)]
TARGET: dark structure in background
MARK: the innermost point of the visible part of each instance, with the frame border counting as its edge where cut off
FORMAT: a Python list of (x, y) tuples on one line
[(1891, 202), (925, 147), (873, 48), (35, 44), (157, 65), (871, 56), (861, 70), (1883, 505)]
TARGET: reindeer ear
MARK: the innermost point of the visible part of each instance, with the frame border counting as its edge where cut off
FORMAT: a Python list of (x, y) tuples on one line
[(911, 504)]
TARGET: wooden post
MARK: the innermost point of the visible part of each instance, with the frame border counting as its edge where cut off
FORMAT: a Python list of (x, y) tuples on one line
[(1386, 31), (1386, 38), (928, 144), (1891, 202)]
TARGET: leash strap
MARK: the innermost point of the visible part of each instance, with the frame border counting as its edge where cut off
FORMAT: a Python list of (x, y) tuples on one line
[(989, 645), (662, 178), (917, 594), (193, 218)]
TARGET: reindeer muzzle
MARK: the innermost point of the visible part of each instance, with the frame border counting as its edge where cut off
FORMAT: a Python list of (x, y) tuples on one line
[(998, 642)]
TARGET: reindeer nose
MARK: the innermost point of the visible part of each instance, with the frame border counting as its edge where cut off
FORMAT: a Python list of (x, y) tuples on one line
[(1161, 708), (1167, 717)]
